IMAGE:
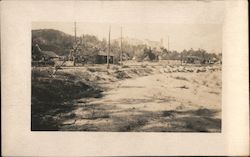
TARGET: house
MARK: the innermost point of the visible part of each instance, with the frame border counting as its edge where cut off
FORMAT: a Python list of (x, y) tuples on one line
[(44, 55), (49, 55), (101, 58), (212, 60), (193, 60), (43, 58)]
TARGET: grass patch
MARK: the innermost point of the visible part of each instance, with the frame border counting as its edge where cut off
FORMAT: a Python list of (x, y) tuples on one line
[(183, 87), (121, 74), (132, 124), (125, 66), (181, 78)]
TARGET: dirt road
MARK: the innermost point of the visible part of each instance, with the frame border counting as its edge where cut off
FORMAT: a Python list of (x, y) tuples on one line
[(156, 103)]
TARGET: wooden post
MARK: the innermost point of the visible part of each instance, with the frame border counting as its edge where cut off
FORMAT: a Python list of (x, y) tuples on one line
[(108, 49), (75, 46), (181, 58), (121, 47), (168, 43), (75, 31)]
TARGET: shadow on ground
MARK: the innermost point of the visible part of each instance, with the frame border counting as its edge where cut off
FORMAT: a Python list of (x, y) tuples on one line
[(54, 97), (98, 117), (200, 120)]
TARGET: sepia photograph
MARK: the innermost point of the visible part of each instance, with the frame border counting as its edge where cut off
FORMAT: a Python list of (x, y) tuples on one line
[(126, 77)]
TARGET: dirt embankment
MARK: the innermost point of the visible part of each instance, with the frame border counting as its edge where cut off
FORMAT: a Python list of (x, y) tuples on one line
[(51, 95)]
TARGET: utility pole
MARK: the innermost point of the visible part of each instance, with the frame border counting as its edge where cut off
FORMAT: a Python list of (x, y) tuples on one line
[(75, 31), (108, 49), (75, 45), (168, 43), (181, 57), (121, 47)]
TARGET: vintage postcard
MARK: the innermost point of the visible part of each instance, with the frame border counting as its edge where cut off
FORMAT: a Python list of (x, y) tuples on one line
[(123, 71), (126, 77)]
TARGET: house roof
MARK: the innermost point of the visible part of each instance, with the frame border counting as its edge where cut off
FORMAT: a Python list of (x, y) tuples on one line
[(193, 57), (50, 54), (103, 53)]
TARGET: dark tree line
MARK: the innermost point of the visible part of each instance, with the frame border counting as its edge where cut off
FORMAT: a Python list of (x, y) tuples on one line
[(88, 46)]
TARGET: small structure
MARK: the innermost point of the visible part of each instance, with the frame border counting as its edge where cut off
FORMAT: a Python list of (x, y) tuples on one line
[(44, 55), (49, 55), (43, 58), (212, 60), (193, 60), (101, 58)]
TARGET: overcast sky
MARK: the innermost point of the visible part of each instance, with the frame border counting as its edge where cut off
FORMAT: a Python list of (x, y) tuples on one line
[(188, 24)]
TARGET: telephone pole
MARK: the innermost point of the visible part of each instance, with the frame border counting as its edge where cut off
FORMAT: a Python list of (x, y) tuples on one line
[(108, 49), (121, 47), (74, 46), (75, 31), (168, 43)]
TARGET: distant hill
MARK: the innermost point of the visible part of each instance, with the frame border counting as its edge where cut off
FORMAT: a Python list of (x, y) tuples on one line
[(135, 41), (61, 43), (89, 45), (52, 40)]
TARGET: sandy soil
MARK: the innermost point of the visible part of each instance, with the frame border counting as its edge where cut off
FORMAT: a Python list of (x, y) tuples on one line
[(155, 100)]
